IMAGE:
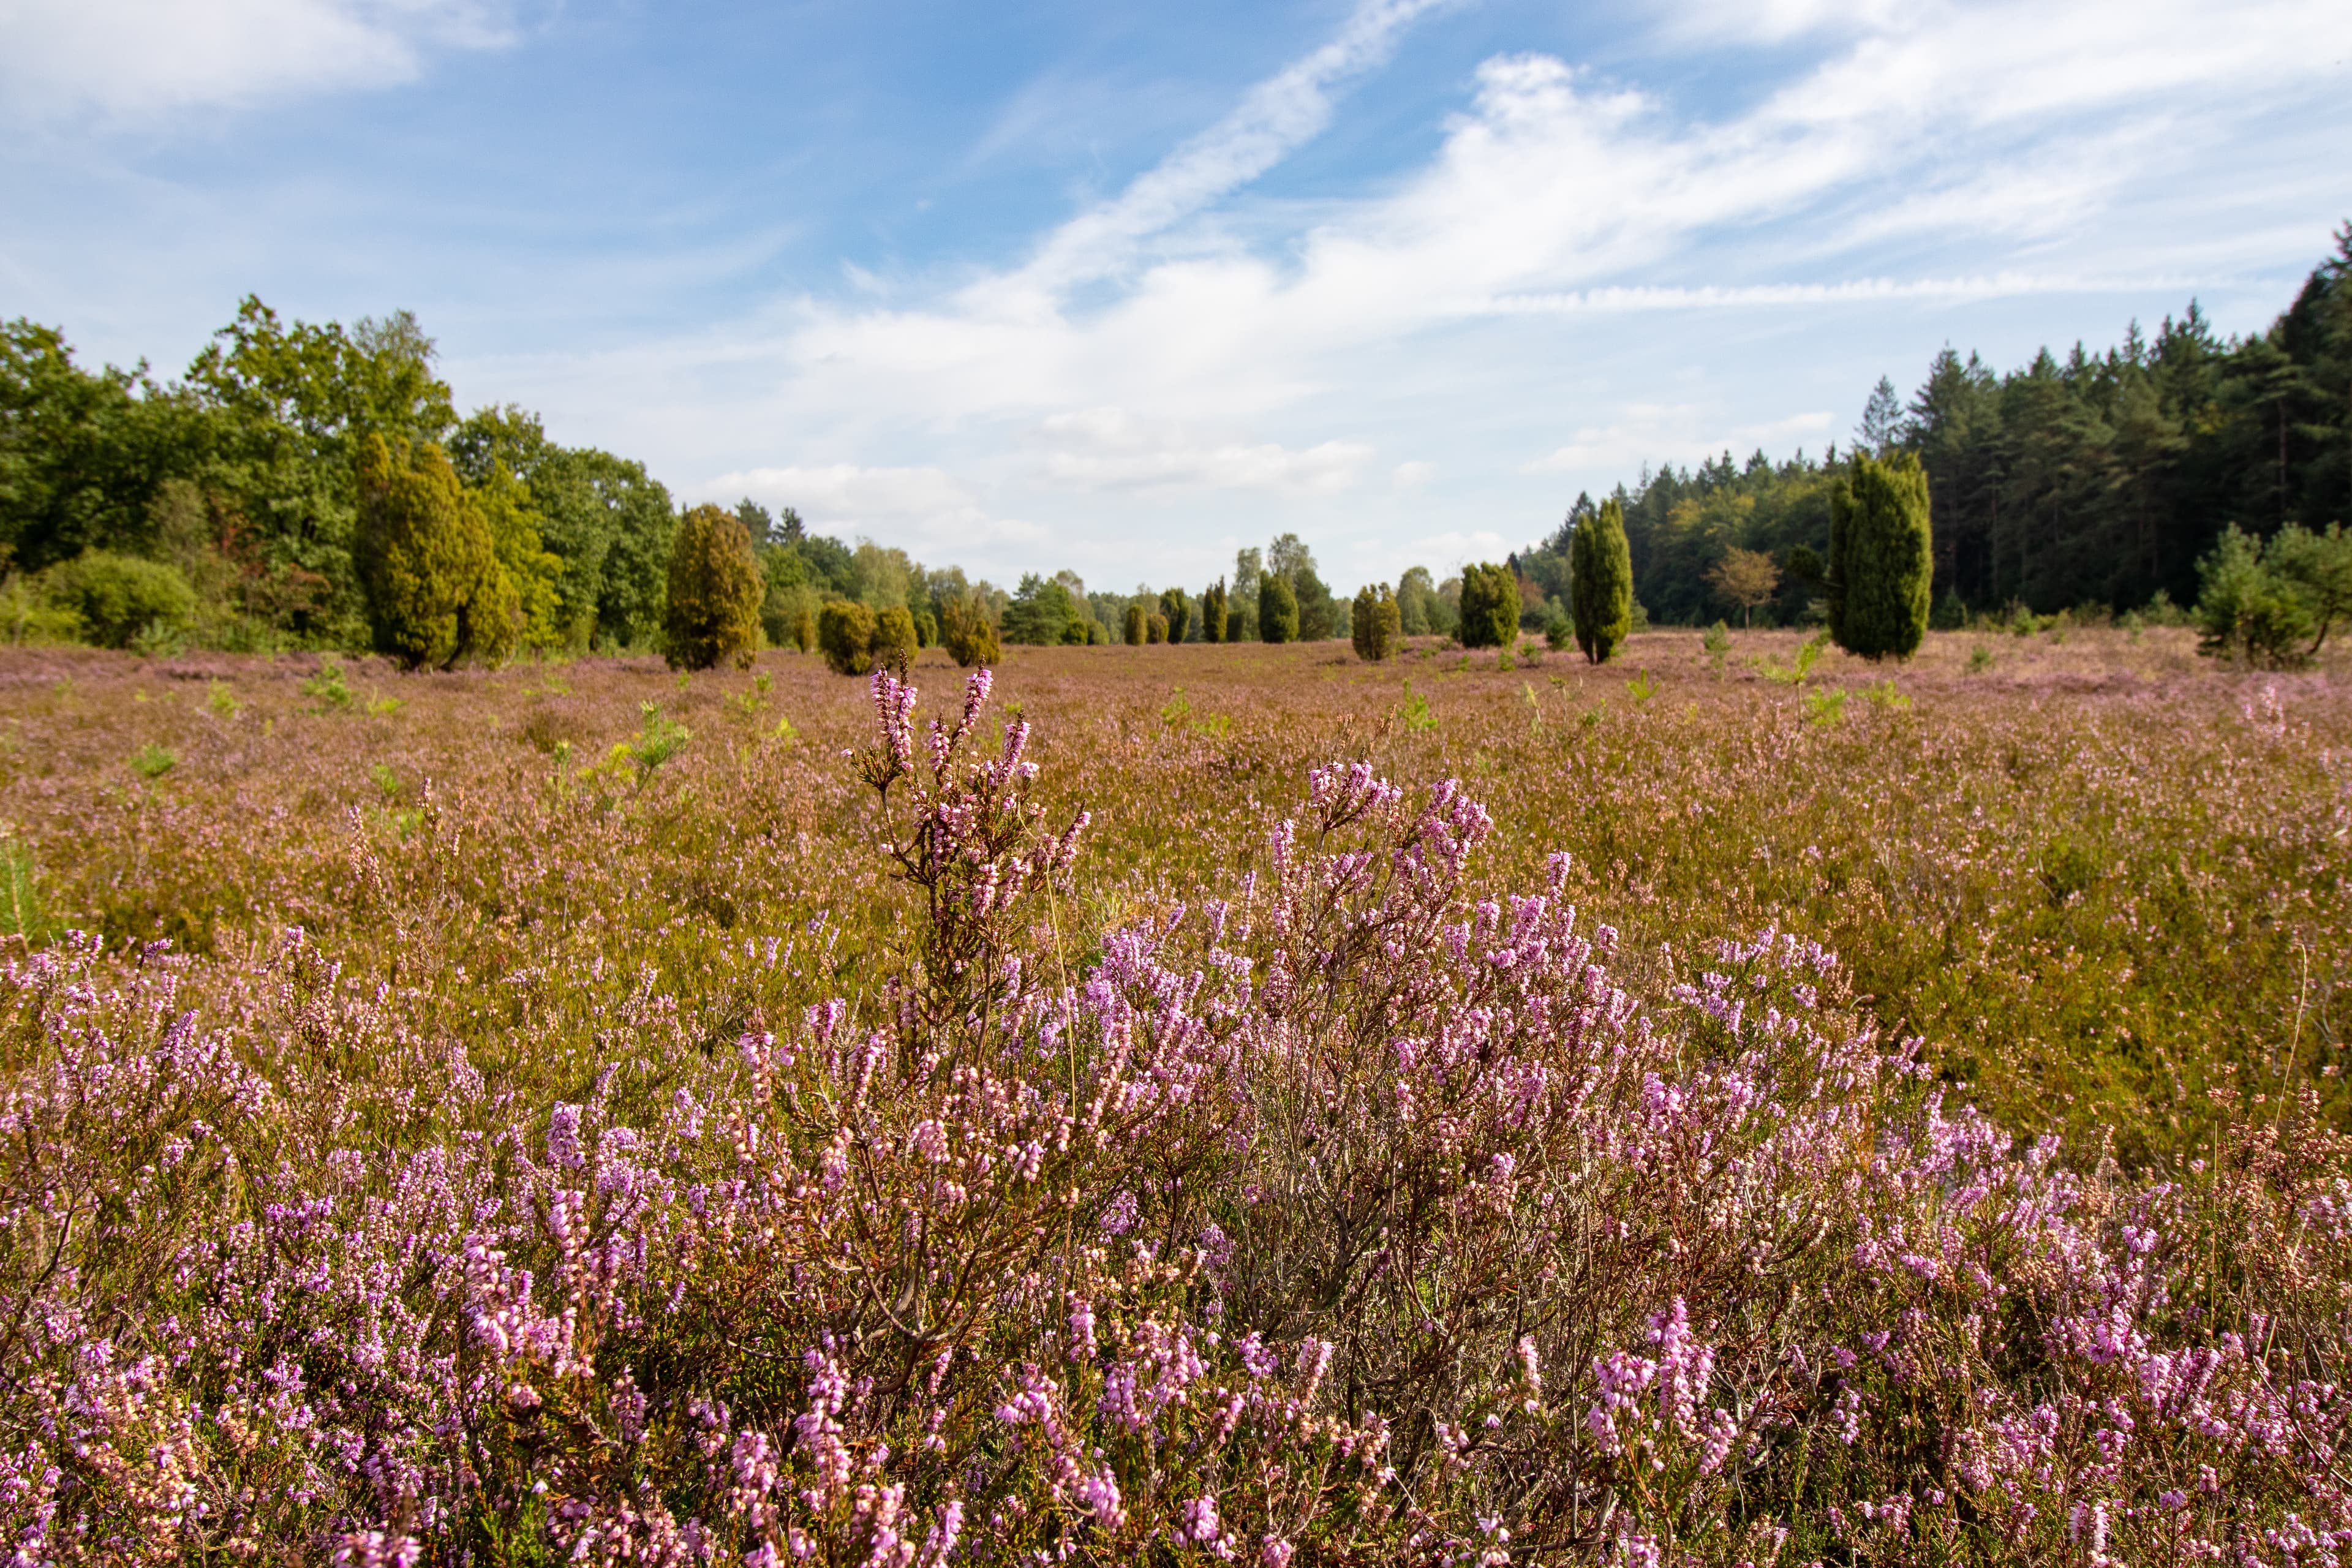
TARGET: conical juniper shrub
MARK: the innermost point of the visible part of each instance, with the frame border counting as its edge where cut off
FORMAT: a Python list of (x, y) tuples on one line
[(1277, 609), (1372, 623), (1345, 1217), (1176, 608), (1213, 611), (715, 592), (895, 641), (1490, 607), (845, 632), (968, 631), (1882, 560), (1132, 627), (1601, 582), (436, 592)]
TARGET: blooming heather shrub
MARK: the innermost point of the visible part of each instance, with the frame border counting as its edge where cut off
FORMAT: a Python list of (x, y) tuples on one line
[(1353, 1217)]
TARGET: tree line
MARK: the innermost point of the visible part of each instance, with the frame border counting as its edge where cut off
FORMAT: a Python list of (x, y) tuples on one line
[(313, 486), (2090, 481)]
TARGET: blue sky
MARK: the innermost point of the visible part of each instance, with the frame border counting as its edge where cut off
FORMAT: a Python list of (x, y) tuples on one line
[(1037, 284)]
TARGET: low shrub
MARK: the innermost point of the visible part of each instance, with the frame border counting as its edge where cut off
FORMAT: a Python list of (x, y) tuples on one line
[(115, 600)]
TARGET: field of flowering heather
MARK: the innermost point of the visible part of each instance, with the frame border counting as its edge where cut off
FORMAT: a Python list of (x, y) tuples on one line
[(1176, 1104)]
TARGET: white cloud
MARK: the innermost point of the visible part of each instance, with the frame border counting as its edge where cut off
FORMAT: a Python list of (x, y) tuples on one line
[(138, 59), (1413, 475), (1111, 449), (1445, 551), (1555, 192), (844, 499), (1682, 433)]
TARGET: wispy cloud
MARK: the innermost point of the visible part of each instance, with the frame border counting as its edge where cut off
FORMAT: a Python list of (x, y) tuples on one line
[(1680, 433), (1111, 449), (1277, 116), (136, 60), (926, 503), (1636, 298)]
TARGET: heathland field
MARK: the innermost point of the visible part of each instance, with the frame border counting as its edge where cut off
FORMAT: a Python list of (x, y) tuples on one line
[(531, 1113)]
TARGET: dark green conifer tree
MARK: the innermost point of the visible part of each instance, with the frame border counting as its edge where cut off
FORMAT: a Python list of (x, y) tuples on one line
[(1213, 611), (1881, 557), (436, 592), (1490, 606), (1177, 607), (1277, 609), (1372, 623), (1601, 582), (715, 592)]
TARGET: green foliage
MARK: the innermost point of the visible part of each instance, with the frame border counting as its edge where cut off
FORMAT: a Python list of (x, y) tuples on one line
[(1881, 558), (1045, 612), (22, 911), (1888, 695), (1559, 629), (1980, 659), (1373, 625), (1414, 715), (117, 600), (435, 591), (152, 761), (327, 687), (1132, 625), (1717, 641), (1421, 610), (606, 524), (84, 453), (543, 622), (1808, 653), (1825, 707), (844, 634), (1490, 607), (1277, 609), (1155, 628), (220, 701), (2261, 601), (658, 738), (894, 638), (1642, 686), (715, 593), (1601, 582)]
